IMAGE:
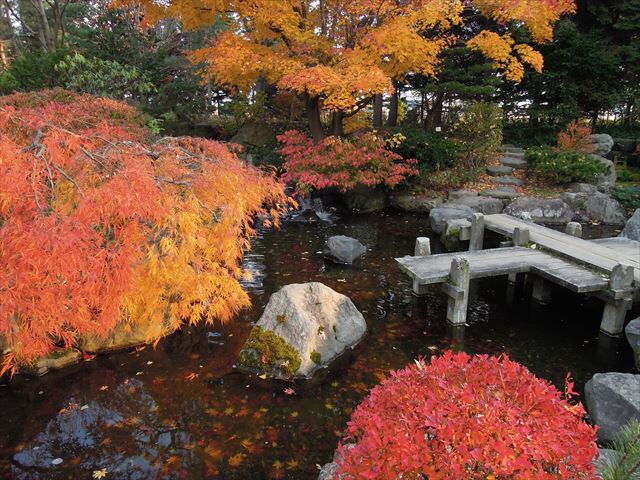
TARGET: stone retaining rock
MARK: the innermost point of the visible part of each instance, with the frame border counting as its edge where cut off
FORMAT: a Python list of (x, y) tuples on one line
[(318, 323), (484, 205), (125, 335), (612, 400), (602, 143), (606, 181), (342, 249), (406, 202), (596, 207), (54, 361), (440, 215), (632, 228), (540, 210), (632, 332)]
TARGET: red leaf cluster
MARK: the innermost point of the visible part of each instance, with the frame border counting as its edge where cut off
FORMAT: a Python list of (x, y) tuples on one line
[(464, 417), (575, 139), (97, 225), (342, 163)]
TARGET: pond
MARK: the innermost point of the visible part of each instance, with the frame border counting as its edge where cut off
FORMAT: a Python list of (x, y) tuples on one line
[(182, 411)]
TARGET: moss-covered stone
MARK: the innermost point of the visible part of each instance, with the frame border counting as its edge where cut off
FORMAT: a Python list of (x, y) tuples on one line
[(265, 350), (316, 357)]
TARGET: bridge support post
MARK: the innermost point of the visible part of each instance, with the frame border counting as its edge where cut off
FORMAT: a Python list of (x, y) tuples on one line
[(574, 229), (458, 291), (423, 247), (615, 310), (419, 290), (541, 290), (521, 237), (477, 232)]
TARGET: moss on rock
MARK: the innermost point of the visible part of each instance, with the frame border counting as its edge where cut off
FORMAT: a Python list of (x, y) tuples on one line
[(316, 357), (265, 350)]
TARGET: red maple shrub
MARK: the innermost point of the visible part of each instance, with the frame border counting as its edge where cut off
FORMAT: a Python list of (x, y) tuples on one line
[(463, 417), (101, 225), (341, 163), (575, 139)]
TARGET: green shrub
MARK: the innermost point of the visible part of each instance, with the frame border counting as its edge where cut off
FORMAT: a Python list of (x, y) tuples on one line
[(526, 135), (34, 71), (564, 167), (432, 151), (625, 463), (628, 196), (8, 83), (479, 129)]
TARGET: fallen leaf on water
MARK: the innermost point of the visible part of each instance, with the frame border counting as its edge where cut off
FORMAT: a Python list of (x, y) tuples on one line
[(278, 465), (292, 464), (192, 376), (229, 411), (328, 406), (100, 473), (104, 388), (236, 460), (289, 391), (264, 410), (263, 376), (56, 461), (294, 414)]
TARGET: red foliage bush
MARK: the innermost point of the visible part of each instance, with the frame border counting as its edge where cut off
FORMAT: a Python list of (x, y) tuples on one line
[(341, 163), (465, 417), (575, 139)]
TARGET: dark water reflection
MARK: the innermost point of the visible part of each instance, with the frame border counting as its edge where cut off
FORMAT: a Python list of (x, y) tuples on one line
[(181, 411)]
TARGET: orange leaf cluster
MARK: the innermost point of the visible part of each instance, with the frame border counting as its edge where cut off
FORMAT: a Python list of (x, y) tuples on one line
[(98, 226), (575, 139)]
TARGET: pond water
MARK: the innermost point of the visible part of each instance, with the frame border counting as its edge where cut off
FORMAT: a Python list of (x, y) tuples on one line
[(182, 411)]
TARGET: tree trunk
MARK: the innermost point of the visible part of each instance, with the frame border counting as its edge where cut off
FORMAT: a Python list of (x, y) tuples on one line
[(434, 114), (594, 120), (377, 111), (337, 123), (44, 31), (313, 117), (392, 121)]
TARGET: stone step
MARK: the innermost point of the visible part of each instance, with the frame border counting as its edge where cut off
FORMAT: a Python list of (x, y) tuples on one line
[(500, 170), (517, 163), (513, 150), (507, 180), (514, 154), (503, 193), (455, 195)]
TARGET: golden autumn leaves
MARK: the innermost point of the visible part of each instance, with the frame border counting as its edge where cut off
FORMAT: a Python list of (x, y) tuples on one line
[(342, 51), (98, 226)]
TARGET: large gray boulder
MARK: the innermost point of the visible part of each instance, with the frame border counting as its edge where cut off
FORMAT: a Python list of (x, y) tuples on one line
[(406, 202), (625, 145), (540, 210), (343, 249), (612, 400), (608, 180), (632, 332), (602, 143), (304, 327), (440, 215), (594, 205), (632, 228), (484, 205)]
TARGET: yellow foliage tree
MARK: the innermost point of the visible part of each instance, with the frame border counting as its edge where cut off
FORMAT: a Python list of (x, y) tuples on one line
[(339, 54)]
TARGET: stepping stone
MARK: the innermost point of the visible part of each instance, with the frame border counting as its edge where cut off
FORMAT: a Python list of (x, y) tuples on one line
[(456, 195), (497, 171), (515, 163), (502, 193), (514, 150), (507, 180), (514, 154)]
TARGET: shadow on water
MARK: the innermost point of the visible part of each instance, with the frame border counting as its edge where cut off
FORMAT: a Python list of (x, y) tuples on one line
[(182, 411)]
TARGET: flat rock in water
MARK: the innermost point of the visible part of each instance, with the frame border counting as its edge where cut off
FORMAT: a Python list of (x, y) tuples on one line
[(440, 215), (343, 249), (507, 180), (310, 323), (499, 170), (612, 400), (56, 360), (517, 163)]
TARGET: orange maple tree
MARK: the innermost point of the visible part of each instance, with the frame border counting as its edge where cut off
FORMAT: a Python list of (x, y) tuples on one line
[(339, 54), (101, 225)]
